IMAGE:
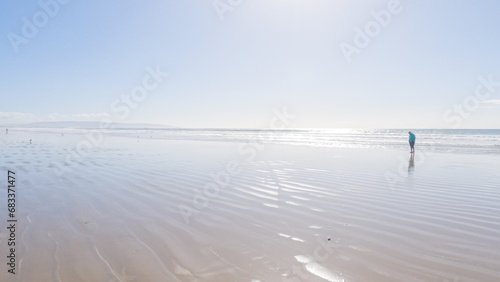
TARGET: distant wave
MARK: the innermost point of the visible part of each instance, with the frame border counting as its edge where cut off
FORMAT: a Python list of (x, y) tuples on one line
[(447, 140)]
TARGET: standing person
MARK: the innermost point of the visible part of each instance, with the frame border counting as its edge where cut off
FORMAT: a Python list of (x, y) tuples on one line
[(412, 142)]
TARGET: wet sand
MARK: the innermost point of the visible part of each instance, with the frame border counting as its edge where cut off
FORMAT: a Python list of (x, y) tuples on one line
[(158, 210)]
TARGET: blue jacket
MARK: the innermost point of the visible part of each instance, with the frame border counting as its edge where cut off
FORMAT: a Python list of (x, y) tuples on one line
[(412, 137)]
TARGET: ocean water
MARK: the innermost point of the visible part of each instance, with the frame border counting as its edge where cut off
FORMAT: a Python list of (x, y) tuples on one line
[(441, 140)]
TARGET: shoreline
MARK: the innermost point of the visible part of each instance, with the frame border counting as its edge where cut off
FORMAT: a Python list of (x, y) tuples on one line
[(292, 212)]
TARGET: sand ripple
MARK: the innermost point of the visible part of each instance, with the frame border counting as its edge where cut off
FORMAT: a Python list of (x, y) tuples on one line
[(116, 217)]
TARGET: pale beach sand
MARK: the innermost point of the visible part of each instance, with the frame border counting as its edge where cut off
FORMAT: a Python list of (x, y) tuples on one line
[(293, 213)]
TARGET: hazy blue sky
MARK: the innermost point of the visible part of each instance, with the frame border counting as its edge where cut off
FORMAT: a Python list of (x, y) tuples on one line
[(231, 68)]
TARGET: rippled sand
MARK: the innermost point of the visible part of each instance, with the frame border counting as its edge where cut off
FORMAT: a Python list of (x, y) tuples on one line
[(157, 210)]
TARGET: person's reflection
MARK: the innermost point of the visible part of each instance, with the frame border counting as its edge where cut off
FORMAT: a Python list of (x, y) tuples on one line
[(411, 165)]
